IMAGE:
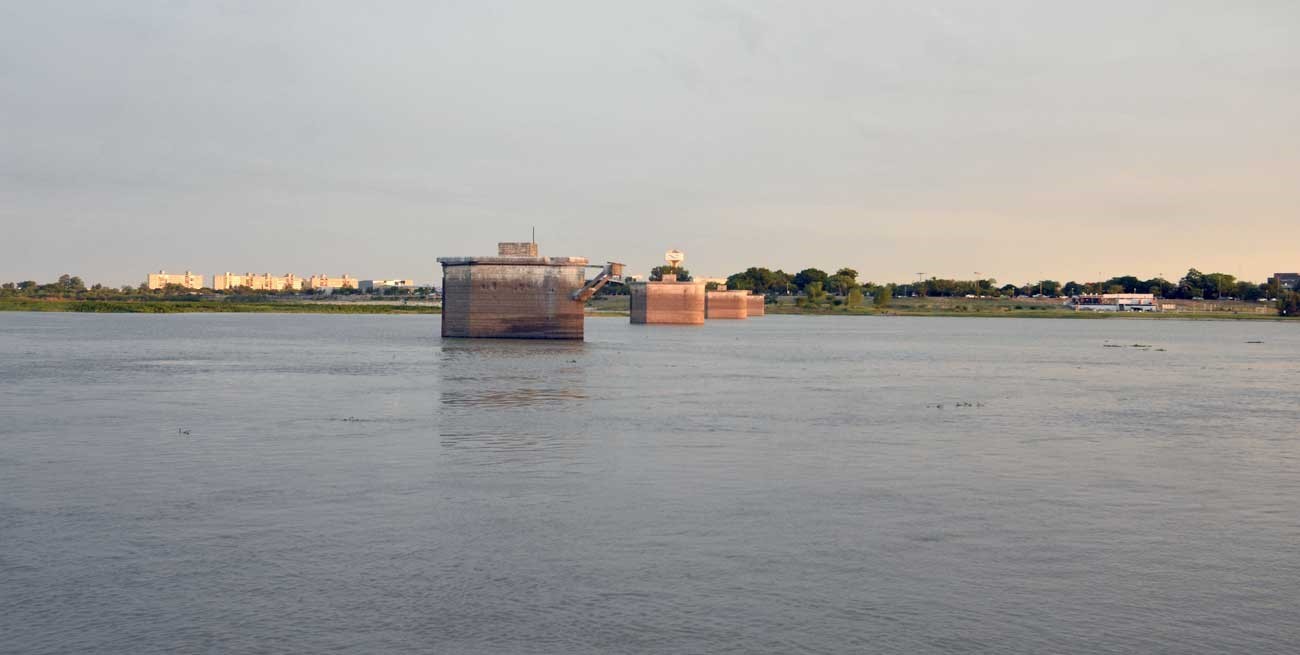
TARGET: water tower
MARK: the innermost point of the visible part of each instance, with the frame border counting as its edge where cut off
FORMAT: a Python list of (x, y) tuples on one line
[(668, 301), (674, 258)]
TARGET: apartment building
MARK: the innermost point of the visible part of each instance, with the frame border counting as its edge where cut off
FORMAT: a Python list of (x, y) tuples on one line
[(371, 286), (327, 282), (257, 282), (162, 279)]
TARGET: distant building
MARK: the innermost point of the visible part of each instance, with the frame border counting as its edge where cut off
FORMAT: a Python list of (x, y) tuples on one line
[(1286, 280), (1115, 302), (257, 282), (327, 282), (380, 285), (162, 278)]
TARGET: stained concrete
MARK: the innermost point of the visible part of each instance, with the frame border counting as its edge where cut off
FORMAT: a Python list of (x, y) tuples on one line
[(512, 297), (755, 306), (726, 304), (667, 303)]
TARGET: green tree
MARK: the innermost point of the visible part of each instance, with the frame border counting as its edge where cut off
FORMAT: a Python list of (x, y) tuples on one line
[(807, 276), (1159, 286), (1248, 291), (1192, 285), (883, 297), (1219, 285), (814, 293), (854, 299), (840, 284), (657, 273), (1288, 304)]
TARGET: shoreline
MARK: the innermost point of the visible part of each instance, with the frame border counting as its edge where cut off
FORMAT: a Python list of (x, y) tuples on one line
[(207, 307), (224, 307)]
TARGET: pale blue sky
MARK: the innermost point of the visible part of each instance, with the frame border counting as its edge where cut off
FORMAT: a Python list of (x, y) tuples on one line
[(1019, 139)]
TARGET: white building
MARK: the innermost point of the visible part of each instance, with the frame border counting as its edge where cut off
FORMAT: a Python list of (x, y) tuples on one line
[(1115, 302), (380, 285)]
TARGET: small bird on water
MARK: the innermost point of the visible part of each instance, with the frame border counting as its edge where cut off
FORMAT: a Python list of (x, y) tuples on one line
[(182, 431)]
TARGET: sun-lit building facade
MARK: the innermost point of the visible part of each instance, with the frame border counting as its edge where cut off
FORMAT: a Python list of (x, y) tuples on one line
[(257, 282), (380, 285), (162, 279), (327, 282)]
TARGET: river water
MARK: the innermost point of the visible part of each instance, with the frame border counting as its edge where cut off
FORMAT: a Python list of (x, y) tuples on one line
[(297, 483)]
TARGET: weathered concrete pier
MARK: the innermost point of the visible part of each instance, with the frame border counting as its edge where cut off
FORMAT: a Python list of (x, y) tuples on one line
[(518, 294), (667, 302), (726, 304), (756, 306)]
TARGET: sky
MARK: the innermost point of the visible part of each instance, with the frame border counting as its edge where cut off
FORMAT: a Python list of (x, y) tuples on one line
[(1020, 139)]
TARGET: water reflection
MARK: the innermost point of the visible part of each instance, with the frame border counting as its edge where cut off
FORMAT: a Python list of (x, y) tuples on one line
[(505, 398)]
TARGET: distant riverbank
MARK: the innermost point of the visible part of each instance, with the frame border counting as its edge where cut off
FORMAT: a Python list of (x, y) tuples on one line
[(615, 307), (209, 306), (984, 312), (990, 308)]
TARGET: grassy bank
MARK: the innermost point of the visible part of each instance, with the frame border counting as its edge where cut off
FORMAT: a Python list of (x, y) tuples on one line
[(987, 307), (210, 306), (1002, 311), (1028, 313), (617, 307)]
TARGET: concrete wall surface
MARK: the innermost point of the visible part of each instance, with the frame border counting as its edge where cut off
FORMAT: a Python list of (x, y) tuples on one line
[(726, 304), (667, 303), (519, 300), (755, 307)]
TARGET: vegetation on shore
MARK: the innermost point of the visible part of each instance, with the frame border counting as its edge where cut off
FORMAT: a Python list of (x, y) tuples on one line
[(810, 291), (70, 294), (994, 309), (814, 290), (977, 307), (218, 306)]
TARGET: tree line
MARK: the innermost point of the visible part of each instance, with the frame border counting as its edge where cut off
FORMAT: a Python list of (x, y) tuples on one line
[(810, 283)]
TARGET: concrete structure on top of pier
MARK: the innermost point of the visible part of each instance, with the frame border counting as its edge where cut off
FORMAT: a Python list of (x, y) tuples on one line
[(517, 249), (667, 302), (518, 296), (755, 306), (726, 304)]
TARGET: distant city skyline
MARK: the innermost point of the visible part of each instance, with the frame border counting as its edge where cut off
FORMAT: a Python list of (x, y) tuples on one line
[(1023, 140)]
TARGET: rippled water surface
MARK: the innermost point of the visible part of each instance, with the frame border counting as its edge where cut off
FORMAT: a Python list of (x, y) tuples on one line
[(293, 483)]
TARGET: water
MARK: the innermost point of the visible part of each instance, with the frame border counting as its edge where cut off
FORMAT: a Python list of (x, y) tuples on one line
[(781, 485)]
